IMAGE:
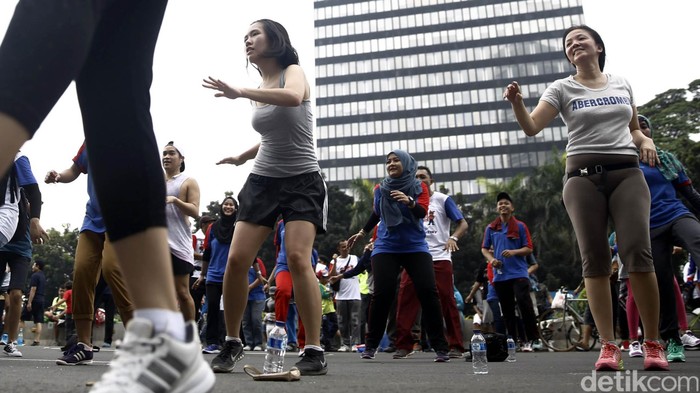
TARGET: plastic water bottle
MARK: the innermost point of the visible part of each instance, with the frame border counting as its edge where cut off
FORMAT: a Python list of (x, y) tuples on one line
[(20, 337), (276, 347), (511, 349), (5, 338), (479, 360)]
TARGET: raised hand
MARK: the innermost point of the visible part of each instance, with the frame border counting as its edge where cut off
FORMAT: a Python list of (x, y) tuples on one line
[(224, 90), (512, 93)]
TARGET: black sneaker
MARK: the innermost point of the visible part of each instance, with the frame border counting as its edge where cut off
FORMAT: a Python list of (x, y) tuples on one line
[(79, 354), (441, 357), (226, 360), (312, 363), (368, 354)]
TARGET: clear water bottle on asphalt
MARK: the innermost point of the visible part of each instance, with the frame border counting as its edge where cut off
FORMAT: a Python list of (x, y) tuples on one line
[(5, 338), (479, 360), (20, 337), (276, 347), (511, 349)]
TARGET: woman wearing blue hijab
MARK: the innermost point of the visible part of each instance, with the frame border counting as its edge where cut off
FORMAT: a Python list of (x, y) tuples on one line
[(400, 203)]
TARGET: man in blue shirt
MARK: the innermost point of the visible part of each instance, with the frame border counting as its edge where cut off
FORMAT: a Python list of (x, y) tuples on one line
[(511, 243), (17, 253)]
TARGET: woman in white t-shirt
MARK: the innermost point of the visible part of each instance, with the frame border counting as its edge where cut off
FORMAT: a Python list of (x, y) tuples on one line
[(603, 181)]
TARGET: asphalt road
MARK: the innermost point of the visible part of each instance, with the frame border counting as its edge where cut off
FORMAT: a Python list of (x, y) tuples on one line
[(540, 372)]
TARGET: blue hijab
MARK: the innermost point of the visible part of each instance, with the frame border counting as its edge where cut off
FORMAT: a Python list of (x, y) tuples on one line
[(389, 209)]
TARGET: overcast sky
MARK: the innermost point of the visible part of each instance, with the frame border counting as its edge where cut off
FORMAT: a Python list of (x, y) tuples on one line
[(652, 44)]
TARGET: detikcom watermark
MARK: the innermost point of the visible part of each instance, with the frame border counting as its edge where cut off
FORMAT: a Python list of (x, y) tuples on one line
[(631, 381)]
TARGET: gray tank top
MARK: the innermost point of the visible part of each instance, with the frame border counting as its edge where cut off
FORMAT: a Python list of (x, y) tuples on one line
[(287, 139)]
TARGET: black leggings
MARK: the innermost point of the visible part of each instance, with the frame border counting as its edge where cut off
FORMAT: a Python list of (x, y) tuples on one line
[(418, 266), (684, 231), (107, 48), (510, 291)]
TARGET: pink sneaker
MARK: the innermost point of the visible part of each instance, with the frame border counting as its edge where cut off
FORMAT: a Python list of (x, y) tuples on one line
[(610, 358), (654, 356)]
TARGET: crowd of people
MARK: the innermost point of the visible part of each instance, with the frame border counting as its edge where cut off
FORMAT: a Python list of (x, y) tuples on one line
[(412, 229)]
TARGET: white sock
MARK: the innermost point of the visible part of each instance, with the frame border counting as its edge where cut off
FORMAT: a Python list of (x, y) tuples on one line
[(231, 338), (164, 321), (316, 347), (86, 346)]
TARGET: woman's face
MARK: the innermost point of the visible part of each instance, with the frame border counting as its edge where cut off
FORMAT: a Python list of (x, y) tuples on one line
[(255, 42), (581, 47), (229, 208), (394, 167)]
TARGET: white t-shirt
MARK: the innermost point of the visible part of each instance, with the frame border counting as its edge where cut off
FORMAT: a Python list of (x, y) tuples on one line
[(9, 213), (597, 119), (349, 287), (441, 211)]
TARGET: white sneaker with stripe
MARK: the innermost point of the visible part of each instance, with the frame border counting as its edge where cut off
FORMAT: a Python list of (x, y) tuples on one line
[(148, 363)]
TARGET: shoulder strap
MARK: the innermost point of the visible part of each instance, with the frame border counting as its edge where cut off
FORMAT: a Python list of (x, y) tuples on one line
[(282, 78)]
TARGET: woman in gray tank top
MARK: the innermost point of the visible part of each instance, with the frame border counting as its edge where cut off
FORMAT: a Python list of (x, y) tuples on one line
[(285, 181)]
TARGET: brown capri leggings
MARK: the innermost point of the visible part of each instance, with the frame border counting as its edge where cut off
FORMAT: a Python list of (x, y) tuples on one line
[(620, 194), (93, 255)]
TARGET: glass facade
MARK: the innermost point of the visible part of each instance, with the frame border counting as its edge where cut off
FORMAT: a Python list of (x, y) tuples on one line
[(427, 76)]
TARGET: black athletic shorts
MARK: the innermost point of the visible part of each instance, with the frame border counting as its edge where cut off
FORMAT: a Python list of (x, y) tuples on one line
[(298, 198), (181, 267)]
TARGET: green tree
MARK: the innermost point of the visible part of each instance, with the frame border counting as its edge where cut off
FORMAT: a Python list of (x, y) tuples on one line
[(59, 256), (675, 117), (363, 191), (339, 221)]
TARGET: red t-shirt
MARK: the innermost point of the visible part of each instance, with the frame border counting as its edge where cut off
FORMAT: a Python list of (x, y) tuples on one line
[(68, 297)]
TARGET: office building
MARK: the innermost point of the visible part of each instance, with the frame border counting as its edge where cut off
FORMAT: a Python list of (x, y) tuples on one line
[(427, 76)]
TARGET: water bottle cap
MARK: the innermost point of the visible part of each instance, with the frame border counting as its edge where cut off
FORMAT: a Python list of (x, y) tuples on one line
[(280, 323), (477, 331)]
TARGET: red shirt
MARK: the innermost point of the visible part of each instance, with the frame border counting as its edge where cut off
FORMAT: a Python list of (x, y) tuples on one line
[(68, 297)]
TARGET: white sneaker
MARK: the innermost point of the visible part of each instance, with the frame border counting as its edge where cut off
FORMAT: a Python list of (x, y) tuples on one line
[(636, 350), (246, 348), (354, 348), (145, 362), (527, 347), (257, 348), (344, 348), (12, 351), (690, 341)]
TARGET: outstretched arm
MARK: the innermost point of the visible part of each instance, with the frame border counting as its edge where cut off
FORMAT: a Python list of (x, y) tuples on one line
[(531, 123), (241, 158), (65, 176)]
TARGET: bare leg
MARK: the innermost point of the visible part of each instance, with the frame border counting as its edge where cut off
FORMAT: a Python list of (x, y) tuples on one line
[(182, 288), (13, 135), (150, 245), (14, 310), (598, 290), (83, 328), (299, 240), (37, 332), (646, 295), (247, 239)]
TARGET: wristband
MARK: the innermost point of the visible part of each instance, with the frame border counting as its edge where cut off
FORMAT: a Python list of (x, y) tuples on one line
[(455, 238)]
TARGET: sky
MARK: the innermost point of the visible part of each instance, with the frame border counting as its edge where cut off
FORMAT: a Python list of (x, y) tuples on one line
[(653, 45)]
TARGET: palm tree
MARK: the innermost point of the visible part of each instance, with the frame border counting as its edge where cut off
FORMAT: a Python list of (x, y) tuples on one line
[(363, 194)]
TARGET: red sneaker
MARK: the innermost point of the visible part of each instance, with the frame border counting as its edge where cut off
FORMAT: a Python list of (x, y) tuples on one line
[(654, 356), (625, 345), (610, 358)]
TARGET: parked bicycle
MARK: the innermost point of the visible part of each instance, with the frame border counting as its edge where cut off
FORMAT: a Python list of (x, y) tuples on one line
[(561, 327)]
